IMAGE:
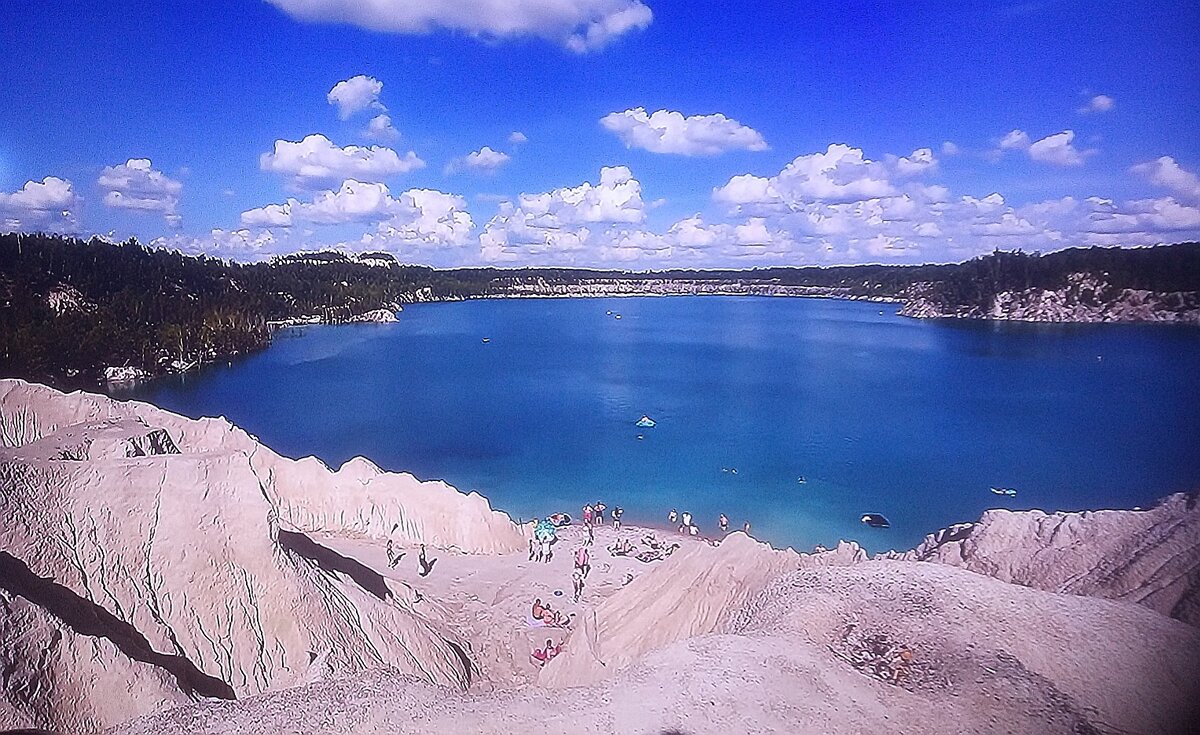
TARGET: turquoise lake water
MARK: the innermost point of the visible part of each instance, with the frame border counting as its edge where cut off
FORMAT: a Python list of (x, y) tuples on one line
[(879, 413)]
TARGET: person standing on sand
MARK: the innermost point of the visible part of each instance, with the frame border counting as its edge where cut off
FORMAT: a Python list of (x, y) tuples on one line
[(424, 566), (587, 516), (591, 535), (687, 521), (577, 581), (672, 517), (600, 513), (616, 514), (724, 523), (582, 561), (746, 528)]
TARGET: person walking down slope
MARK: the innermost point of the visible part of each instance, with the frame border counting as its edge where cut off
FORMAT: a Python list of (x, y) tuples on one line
[(424, 566), (393, 557), (616, 516)]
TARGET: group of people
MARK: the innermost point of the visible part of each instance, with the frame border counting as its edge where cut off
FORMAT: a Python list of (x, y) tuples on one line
[(684, 521), (424, 564), (593, 515)]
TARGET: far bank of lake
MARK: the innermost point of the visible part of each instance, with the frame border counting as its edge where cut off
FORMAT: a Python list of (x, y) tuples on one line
[(877, 413)]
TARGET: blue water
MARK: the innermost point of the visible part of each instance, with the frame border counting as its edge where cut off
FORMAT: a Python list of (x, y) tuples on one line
[(912, 419)]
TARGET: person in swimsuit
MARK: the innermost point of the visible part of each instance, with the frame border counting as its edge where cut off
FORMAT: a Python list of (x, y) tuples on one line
[(537, 608), (582, 561), (616, 515), (724, 523), (599, 513), (587, 515), (577, 581), (672, 517)]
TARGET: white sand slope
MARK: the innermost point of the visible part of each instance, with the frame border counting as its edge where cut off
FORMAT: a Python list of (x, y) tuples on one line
[(153, 567)]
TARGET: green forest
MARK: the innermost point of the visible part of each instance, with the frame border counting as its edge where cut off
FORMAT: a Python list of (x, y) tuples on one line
[(70, 307)]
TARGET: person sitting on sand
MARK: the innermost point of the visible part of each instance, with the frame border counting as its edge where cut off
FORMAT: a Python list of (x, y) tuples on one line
[(537, 608), (552, 650)]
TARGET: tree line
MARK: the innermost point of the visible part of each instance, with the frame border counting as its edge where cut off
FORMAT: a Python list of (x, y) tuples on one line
[(70, 307)]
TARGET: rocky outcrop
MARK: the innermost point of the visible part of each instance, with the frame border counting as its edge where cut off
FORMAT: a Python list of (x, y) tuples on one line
[(378, 316), (150, 560), (1151, 557), (1084, 298)]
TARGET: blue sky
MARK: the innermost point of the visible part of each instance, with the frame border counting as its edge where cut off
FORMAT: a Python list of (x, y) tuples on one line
[(658, 133)]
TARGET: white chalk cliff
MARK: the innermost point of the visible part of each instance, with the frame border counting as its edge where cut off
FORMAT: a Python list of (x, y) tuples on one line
[(149, 559)]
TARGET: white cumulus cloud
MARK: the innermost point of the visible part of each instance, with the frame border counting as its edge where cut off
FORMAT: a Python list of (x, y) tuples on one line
[(136, 185), (517, 138), (1098, 103), (565, 220), (380, 128), (1167, 173), (485, 160), (47, 205), (317, 159), (355, 94), (1058, 149), (666, 131), (579, 25)]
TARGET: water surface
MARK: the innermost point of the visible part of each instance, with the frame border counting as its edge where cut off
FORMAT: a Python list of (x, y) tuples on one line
[(879, 413)]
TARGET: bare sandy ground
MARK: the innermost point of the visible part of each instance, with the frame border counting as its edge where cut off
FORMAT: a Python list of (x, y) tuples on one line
[(487, 599), (990, 658)]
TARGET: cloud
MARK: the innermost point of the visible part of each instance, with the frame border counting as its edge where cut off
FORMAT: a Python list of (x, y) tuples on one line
[(1167, 173), (670, 132), (1057, 149), (949, 148), (485, 160), (517, 138), (317, 159), (1099, 103), (1015, 140), (380, 128), (242, 245), (840, 174), (565, 220), (46, 205), (417, 217), (355, 94), (578, 25), (137, 186)]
